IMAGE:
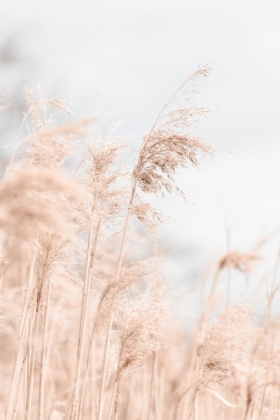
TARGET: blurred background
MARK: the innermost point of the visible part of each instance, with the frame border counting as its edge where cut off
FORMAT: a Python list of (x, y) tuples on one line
[(124, 59)]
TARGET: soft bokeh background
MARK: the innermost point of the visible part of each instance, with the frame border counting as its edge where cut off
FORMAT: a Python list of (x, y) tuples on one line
[(124, 59)]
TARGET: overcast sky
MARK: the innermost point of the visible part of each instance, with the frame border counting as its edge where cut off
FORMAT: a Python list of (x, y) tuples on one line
[(137, 53), (125, 58)]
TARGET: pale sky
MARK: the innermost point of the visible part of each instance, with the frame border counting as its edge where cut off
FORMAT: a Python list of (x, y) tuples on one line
[(125, 58)]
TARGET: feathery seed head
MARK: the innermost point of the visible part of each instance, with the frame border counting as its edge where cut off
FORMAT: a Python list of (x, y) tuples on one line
[(29, 200), (223, 347), (114, 291), (241, 261), (141, 322), (171, 145)]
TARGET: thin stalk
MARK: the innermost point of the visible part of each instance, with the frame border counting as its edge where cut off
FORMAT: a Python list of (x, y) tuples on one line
[(248, 411), (91, 375), (228, 269), (17, 391), (92, 387), (176, 408), (117, 398), (108, 336), (211, 297), (161, 393), (112, 401), (192, 406), (17, 361), (248, 407), (30, 349), (178, 402), (51, 392), (278, 405), (130, 406), (104, 369), (274, 278), (144, 392), (152, 385), (266, 379), (196, 417), (43, 355), (170, 101), (84, 318), (4, 244), (25, 379), (76, 411), (96, 407), (31, 371)]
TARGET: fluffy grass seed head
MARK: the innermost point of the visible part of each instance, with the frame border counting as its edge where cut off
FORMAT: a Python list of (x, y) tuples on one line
[(241, 261), (148, 215), (103, 178), (170, 144), (48, 145), (114, 291), (141, 322), (29, 200), (223, 348)]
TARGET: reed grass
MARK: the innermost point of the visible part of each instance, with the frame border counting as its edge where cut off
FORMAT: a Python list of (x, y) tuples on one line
[(88, 329)]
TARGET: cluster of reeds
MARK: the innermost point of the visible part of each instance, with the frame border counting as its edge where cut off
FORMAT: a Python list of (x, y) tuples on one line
[(87, 328)]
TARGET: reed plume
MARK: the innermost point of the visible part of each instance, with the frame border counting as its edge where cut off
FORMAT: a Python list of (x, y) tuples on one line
[(86, 326)]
